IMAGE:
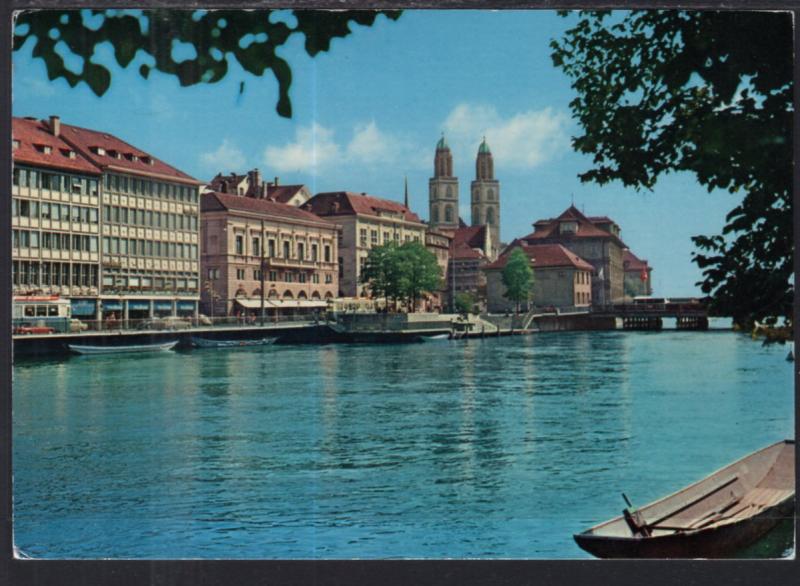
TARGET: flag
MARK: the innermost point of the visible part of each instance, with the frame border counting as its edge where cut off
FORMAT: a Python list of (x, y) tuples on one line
[(643, 276)]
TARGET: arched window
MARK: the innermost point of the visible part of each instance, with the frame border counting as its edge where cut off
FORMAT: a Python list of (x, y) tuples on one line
[(257, 293), (490, 216), (490, 195), (435, 214), (475, 193), (288, 295), (286, 248), (328, 295), (433, 191), (302, 295), (448, 213), (240, 292), (315, 295), (449, 192), (273, 294), (476, 216)]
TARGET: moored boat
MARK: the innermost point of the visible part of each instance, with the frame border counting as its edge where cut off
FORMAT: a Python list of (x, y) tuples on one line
[(198, 342), (122, 348), (712, 518)]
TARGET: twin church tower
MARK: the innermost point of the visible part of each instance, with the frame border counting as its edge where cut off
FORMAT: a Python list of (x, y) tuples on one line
[(485, 194)]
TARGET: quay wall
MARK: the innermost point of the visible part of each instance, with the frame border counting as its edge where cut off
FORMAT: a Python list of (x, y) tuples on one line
[(577, 322)]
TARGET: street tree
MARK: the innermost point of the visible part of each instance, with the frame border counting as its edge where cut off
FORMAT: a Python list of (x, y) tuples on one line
[(251, 37), (709, 93), (465, 303), (420, 272), (518, 277), (382, 273)]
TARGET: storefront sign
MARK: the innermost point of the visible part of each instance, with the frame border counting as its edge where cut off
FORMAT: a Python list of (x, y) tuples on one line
[(83, 307), (112, 305), (186, 305), (163, 305), (139, 305)]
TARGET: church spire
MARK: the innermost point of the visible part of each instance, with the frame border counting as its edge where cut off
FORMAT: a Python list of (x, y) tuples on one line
[(405, 196)]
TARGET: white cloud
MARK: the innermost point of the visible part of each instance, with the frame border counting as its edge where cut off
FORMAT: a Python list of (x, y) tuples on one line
[(226, 158), (315, 150), (525, 140)]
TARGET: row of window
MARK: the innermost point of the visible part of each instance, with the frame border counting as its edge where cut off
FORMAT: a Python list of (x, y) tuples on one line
[(53, 241), (287, 249), (476, 216), (448, 214), (583, 298), (149, 218), (285, 276), (55, 274), (25, 208), (153, 248), (136, 186), (387, 237), (148, 282), (54, 181)]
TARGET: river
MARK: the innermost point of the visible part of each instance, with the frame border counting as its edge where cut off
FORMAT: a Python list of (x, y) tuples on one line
[(493, 448)]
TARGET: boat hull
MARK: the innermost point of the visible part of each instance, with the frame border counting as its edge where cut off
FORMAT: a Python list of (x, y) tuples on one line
[(715, 542), (130, 349), (208, 343)]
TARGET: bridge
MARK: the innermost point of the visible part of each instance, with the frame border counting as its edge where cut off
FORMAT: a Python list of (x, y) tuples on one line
[(689, 313)]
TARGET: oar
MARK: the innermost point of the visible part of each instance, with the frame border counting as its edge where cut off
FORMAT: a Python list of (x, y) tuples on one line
[(634, 519)]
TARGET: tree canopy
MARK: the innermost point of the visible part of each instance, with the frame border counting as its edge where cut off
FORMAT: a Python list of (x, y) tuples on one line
[(708, 93), (249, 36), (402, 272), (518, 277)]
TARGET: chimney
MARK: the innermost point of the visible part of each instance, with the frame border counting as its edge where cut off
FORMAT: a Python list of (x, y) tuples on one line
[(276, 182), (55, 125)]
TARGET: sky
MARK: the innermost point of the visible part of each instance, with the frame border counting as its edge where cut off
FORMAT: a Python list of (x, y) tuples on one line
[(368, 113)]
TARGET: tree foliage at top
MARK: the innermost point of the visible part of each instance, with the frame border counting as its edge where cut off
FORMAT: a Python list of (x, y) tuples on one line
[(709, 93), (249, 36), (518, 277)]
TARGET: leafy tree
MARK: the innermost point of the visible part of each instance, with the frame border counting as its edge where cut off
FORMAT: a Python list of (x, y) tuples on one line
[(518, 277), (464, 302), (250, 37), (708, 93), (420, 272), (383, 271)]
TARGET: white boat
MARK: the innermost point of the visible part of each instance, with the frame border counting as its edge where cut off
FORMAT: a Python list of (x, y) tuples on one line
[(119, 349), (207, 343), (437, 337)]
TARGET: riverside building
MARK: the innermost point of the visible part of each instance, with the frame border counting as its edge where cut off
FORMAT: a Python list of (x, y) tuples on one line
[(55, 217), (366, 221), (150, 222), (244, 235)]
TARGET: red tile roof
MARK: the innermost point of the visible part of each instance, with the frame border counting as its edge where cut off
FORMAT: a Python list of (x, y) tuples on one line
[(30, 133), (349, 203), (545, 256), (215, 201), (586, 228), (463, 251), (131, 159), (631, 262), (282, 193)]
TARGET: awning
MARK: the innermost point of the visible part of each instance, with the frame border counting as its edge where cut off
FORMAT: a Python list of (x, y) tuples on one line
[(282, 303), (184, 305), (162, 305), (112, 305), (139, 305), (83, 307)]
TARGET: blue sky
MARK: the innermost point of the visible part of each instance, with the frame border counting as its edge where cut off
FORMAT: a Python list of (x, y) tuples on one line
[(370, 111)]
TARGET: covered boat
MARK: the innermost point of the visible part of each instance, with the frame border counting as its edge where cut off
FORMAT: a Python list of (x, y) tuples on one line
[(209, 343), (715, 517), (122, 348)]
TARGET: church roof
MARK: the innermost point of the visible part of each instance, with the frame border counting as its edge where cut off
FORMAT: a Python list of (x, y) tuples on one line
[(484, 148), (549, 229), (442, 144)]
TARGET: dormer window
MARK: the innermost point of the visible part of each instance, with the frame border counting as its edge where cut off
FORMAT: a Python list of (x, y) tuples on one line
[(98, 150), (69, 153), (147, 160), (44, 148), (568, 227), (15, 144)]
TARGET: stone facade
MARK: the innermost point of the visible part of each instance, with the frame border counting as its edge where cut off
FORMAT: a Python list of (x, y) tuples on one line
[(638, 276), (439, 244), (560, 279), (443, 190), (300, 252), (485, 204), (366, 221)]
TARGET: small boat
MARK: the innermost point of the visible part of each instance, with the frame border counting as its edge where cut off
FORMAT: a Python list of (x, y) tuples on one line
[(126, 348), (208, 343), (790, 355), (713, 518), (436, 338)]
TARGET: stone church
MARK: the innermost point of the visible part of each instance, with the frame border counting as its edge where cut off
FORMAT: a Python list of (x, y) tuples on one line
[(443, 200)]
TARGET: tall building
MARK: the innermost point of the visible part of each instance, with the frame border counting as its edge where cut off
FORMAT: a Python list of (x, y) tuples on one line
[(123, 237), (366, 221), (486, 197), (243, 236), (55, 217), (443, 190)]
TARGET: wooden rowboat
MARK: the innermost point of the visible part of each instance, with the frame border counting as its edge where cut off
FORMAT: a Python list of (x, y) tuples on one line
[(198, 342), (715, 517), (118, 349)]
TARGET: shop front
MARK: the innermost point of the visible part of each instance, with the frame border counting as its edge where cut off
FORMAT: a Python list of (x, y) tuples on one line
[(162, 308), (84, 309), (138, 309), (186, 308)]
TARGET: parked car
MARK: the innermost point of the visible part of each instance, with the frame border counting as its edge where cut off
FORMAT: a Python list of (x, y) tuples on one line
[(25, 330)]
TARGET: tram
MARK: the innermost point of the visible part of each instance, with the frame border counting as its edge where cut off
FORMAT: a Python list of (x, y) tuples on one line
[(41, 315)]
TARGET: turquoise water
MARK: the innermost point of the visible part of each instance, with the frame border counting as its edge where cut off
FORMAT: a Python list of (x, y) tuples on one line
[(495, 448)]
